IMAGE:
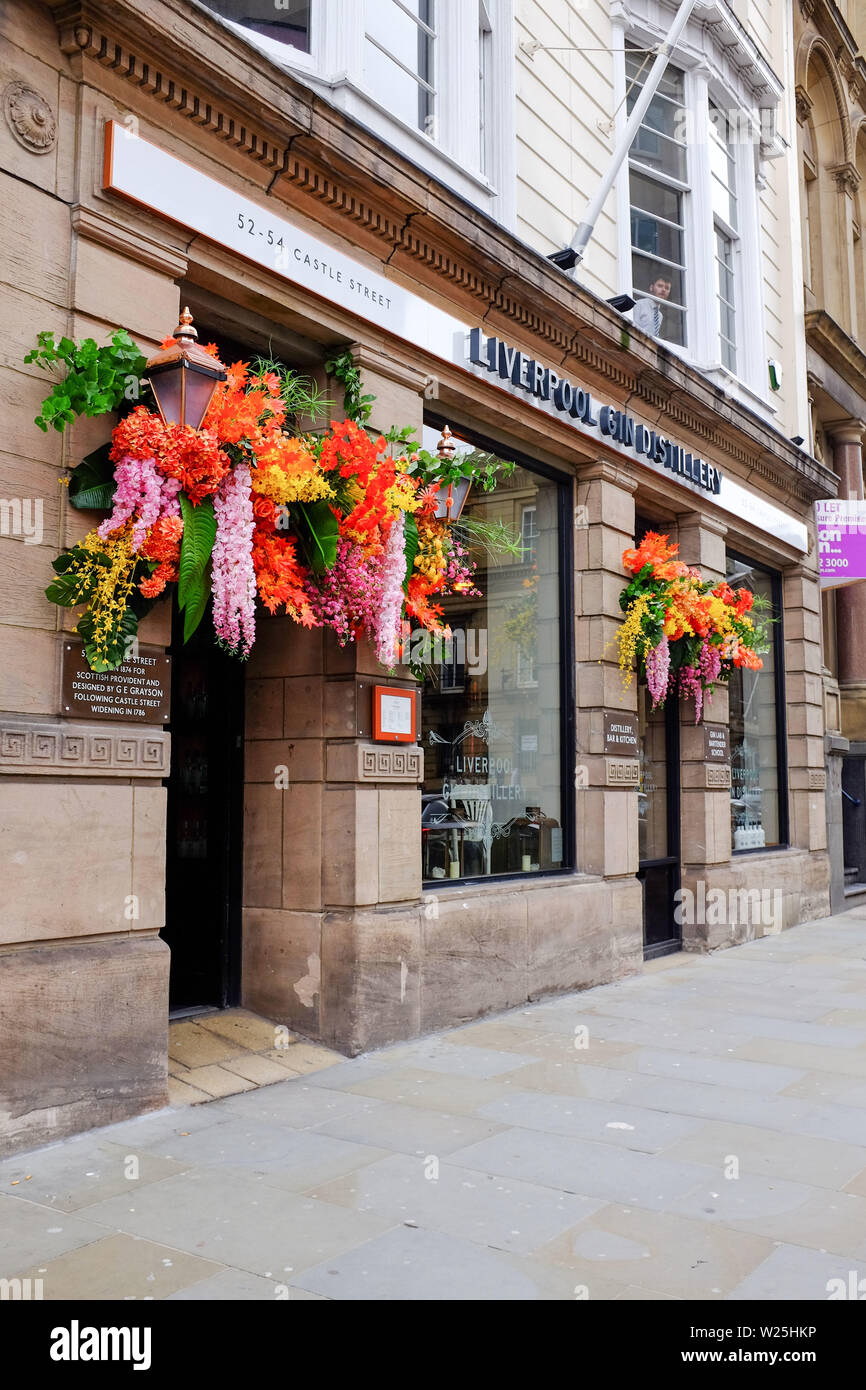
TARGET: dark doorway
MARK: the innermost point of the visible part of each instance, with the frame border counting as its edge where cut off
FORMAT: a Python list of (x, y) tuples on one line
[(659, 823), (659, 842), (204, 822)]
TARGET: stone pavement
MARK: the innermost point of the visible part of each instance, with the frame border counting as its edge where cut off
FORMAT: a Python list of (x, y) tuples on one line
[(705, 1137)]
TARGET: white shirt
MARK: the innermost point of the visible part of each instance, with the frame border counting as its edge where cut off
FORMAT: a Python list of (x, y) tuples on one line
[(647, 316)]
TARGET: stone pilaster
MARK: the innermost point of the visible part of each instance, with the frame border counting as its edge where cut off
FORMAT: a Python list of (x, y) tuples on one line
[(804, 701), (606, 785), (705, 787)]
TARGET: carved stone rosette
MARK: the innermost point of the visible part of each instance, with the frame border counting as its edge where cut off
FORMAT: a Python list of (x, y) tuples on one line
[(30, 118)]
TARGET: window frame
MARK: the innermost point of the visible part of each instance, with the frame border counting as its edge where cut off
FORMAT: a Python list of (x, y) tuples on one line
[(683, 188), (707, 80), (778, 640), (425, 84), (567, 667)]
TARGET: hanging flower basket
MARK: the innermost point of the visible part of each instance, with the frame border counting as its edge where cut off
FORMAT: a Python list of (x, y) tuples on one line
[(683, 632), (339, 529)]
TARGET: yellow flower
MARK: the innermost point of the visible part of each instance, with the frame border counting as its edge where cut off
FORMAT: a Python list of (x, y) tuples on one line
[(283, 488)]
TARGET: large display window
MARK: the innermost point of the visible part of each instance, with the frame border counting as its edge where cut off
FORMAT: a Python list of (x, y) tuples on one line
[(496, 706), (759, 808)]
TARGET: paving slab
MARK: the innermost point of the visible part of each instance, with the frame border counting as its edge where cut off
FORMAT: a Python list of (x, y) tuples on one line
[(499, 1212), (226, 1218), (695, 1131), (120, 1267)]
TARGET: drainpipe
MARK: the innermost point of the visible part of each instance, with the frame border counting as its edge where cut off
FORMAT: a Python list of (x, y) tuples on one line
[(581, 238)]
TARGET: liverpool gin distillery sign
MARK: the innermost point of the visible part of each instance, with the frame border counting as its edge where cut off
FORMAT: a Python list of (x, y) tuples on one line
[(547, 385)]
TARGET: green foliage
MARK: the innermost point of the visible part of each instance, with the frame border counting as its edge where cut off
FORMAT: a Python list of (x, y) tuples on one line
[(92, 485), (357, 406), (494, 537), (67, 590), (118, 646), (199, 533), (483, 468), (299, 394), (411, 543), (318, 531), (96, 380)]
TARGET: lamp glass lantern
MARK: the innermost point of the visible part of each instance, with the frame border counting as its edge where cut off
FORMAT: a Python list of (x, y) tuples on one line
[(451, 497), (183, 377)]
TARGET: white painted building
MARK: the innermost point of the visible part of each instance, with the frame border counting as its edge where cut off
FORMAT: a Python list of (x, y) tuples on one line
[(517, 105)]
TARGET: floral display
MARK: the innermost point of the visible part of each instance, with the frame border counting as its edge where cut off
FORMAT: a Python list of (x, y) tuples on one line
[(683, 632), (336, 528)]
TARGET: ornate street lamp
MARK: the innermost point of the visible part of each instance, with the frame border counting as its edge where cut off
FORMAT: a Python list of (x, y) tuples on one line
[(451, 497), (183, 377)]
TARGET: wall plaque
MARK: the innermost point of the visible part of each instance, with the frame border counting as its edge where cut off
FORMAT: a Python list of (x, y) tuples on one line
[(138, 692), (620, 733), (717, 746)]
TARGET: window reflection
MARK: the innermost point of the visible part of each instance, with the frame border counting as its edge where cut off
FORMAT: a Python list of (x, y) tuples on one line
[(755, 816), (491, 700)]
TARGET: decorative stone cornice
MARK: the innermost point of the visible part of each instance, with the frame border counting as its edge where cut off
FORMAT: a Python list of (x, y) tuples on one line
[(109, 231), (383, 764), (65, 748), (308, 154), (622, 772), (803, 103), (846, 178), (838, 349)]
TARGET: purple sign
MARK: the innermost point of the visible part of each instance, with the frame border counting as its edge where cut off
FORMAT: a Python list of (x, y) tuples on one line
[(841, 526)]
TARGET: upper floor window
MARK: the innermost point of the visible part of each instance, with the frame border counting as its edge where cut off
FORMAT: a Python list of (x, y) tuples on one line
[(286, 21), (723, 172), (658, 187), (399, 56), (432, 78)]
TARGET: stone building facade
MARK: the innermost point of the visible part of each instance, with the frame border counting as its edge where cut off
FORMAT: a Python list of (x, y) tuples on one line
[(831, 146), (140, 142)]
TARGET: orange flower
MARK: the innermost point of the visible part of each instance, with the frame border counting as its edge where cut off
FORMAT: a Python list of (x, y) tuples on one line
[(745, 599), (653, 550)]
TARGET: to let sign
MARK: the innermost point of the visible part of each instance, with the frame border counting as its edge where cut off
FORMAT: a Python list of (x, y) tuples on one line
[(620, 733), (138, 692), (717, 747)]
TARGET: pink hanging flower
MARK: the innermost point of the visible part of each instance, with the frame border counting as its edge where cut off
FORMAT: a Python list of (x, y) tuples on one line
[(347, 597), (690, 684), (234, 578), (143, 494), (710, 663), (658, 665), (386, 630)]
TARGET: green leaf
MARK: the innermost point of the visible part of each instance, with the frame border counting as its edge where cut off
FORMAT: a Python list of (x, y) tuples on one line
[(116, 649), (94, 499), (199, 533), (66, 590), (318, 531), (196, 604), (410, 546)]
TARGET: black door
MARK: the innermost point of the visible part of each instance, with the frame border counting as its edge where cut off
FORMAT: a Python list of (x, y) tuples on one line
[(659, 822), (205, 820)]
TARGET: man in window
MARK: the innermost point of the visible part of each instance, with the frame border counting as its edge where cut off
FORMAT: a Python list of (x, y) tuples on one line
[(647, 314)]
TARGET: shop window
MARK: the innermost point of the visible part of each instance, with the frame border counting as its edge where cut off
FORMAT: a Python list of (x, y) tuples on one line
[(286, 23), (757, 726), (658, 183), (492, 703), (399, 48)]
